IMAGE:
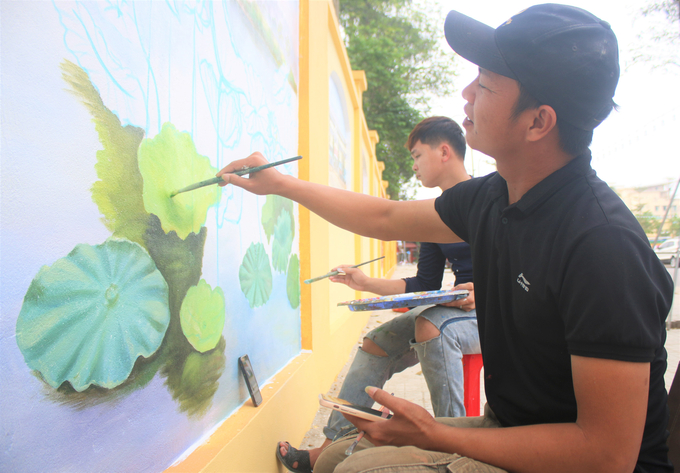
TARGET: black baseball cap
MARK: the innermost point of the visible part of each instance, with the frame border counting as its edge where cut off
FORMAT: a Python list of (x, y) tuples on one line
[(563, 56)]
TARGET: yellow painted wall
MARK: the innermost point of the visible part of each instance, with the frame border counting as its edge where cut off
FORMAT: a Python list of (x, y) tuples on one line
[(246, 441)]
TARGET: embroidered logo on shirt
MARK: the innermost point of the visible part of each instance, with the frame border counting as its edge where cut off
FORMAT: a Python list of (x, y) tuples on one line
[(522, 281)]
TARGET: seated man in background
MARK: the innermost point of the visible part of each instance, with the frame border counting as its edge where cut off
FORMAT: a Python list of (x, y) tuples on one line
[(436, 336)]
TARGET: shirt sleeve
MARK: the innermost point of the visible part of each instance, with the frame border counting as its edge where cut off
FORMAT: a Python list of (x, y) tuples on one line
[(623, 318), (456, 203), (431, 265)]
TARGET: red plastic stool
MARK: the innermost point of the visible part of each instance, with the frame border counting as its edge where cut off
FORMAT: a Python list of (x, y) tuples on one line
[(472, 365)]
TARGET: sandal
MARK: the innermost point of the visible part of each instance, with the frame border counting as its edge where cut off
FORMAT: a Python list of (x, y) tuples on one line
[(294, 455)]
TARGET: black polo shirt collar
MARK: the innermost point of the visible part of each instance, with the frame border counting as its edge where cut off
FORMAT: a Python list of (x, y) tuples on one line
[(574, 169)]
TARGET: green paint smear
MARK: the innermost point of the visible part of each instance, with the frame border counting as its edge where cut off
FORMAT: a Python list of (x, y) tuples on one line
[(274, 205), (255, 275), (193, 378), (283, 242), (293, 281), (169, 162), (180, 262), (202, 316), (118, 192)]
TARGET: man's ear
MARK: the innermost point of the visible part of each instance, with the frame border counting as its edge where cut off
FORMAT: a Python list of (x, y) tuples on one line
[(544, 120), (446, 151)]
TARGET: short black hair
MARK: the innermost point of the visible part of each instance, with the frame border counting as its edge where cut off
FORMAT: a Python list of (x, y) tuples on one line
[(573, 141), (433, 130)]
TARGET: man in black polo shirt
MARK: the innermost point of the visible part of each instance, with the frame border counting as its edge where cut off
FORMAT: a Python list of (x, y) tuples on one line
[(571, 300)]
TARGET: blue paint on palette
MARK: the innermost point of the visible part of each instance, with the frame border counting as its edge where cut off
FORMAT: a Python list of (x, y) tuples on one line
[(411, 299)]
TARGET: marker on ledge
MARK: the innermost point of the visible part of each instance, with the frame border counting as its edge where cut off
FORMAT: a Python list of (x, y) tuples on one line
[(333, 273), (240, 172)]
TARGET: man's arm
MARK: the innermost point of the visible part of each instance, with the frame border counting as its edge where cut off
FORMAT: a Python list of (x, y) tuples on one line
[(612, 405), (357, 280), (365, 215), (431, 266)]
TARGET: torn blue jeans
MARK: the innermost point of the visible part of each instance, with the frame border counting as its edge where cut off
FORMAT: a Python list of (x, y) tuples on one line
[(441, 360)]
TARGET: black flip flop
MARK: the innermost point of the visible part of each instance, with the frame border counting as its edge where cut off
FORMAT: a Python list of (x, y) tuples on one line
[(294, 455)]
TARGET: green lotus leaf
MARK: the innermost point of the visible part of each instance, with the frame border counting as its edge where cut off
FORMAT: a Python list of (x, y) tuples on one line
[(283, 241), (88, 317), (202, 316), (293, 281), (169, 162), (255, 275), (274, 205)]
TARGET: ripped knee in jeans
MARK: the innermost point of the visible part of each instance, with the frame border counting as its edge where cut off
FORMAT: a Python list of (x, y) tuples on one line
[(372, 348), (425, 330)]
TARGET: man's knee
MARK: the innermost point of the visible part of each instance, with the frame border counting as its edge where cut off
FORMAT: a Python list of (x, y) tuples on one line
[(425, 330), (369, 346)]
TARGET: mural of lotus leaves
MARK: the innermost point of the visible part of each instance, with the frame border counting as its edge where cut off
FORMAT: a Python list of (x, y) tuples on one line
[(88, 317), (293, 281), (202, 316), (283, 241), (255, 275), (169, 162), (273, 207)]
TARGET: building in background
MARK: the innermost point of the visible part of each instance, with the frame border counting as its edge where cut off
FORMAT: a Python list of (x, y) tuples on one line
[(650, 203)]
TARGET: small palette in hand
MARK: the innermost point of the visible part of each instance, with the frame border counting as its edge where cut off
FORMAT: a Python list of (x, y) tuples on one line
[(410, 299)]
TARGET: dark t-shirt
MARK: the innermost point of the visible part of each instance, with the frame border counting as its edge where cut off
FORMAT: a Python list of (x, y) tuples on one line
[(565, 271), (432, 263)]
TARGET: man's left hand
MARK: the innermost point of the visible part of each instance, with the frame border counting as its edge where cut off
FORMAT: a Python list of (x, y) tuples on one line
[(467, 303)]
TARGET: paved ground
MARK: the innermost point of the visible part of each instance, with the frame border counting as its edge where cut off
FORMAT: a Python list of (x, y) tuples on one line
[(410, 384)]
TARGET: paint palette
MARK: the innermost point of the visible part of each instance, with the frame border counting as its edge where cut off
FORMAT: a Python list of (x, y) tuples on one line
[(411, 299)]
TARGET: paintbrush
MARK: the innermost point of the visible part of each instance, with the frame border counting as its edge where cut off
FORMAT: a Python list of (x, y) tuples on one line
[(333, 273), (240, 172), (385, 412)]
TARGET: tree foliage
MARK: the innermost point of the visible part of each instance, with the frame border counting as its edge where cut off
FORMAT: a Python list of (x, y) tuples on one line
[(674, 227), (659, 42), (396, 42), (647, 221)]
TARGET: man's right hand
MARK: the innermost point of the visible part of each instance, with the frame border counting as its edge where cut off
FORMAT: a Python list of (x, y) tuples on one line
[(410, 424), (352, 277), (267, 181)]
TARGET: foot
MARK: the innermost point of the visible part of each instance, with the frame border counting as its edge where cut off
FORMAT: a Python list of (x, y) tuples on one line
[(299, 461)]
